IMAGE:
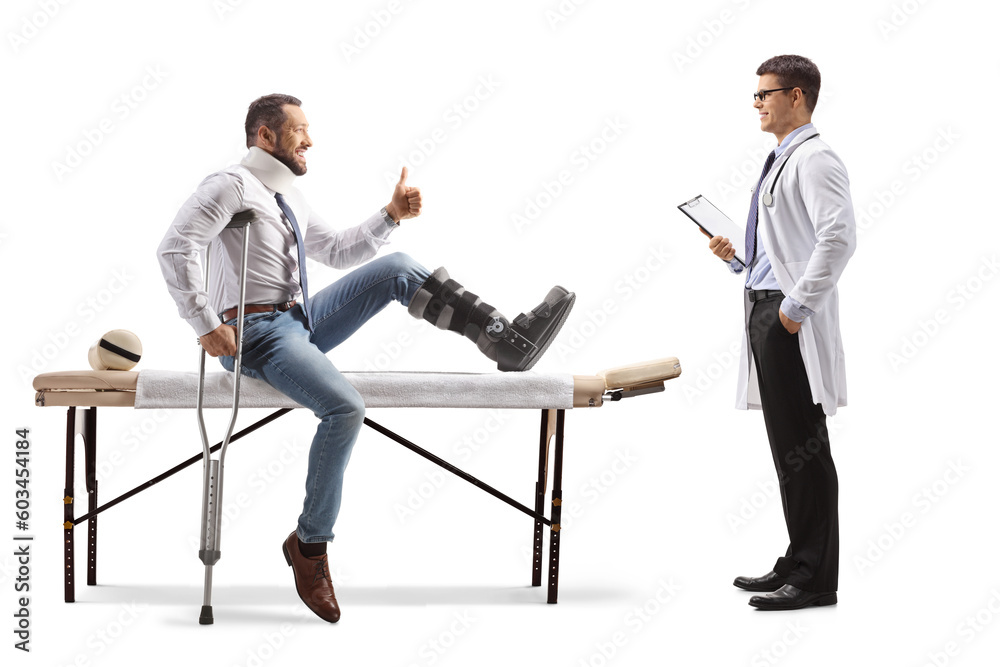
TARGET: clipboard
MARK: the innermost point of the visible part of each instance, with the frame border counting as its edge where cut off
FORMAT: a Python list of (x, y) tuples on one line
[(714, 222)]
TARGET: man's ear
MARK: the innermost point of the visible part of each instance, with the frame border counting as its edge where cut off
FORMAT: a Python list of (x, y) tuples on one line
[(266, 138), (801, 99)]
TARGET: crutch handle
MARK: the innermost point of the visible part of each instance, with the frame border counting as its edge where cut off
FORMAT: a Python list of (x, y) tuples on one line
[(242, 219)]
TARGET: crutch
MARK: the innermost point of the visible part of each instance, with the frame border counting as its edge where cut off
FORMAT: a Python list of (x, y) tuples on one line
[(211, 501)]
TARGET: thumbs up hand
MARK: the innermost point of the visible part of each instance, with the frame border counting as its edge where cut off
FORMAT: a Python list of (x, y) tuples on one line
[(405, 200)]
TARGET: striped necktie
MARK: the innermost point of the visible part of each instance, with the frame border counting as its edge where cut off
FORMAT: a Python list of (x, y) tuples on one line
[(300, 245), (751, 238)]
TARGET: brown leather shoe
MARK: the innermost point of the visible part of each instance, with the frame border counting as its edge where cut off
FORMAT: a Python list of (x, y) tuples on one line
[(312, 580)]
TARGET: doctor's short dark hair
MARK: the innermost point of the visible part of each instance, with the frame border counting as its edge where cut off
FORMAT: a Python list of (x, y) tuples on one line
[(267, 112), (794, 72)]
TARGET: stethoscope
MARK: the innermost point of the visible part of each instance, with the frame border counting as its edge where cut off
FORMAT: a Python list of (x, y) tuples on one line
[(768, 197)]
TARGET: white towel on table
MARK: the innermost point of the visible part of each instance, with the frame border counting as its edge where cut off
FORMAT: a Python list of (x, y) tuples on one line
[(176, 389)]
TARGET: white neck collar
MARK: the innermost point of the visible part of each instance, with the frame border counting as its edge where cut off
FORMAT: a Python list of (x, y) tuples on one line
[(271, 172)]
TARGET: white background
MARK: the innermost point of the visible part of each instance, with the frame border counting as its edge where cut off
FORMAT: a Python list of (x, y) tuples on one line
[(908, 94)]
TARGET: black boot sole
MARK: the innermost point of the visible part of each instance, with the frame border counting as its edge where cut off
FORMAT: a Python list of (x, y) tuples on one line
[(529, 360)]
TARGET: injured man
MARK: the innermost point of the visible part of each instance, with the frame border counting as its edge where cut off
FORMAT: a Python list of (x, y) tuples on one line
[(288, 328)]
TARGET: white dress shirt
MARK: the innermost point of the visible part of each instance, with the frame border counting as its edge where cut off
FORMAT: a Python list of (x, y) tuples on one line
[(272, 268)]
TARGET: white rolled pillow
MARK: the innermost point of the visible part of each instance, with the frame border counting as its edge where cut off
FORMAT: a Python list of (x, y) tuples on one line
[(117, 350)]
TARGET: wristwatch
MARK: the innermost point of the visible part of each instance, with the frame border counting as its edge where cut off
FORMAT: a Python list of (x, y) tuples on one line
[(388, 218)]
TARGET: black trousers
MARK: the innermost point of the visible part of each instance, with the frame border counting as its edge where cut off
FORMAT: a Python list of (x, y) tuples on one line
[(800, 446)]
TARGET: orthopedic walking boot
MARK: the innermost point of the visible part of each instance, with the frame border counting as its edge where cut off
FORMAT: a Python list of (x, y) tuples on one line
[(515, 346), (312, 580)]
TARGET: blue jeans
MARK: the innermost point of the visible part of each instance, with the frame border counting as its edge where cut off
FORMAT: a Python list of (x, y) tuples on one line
[(279, 349)]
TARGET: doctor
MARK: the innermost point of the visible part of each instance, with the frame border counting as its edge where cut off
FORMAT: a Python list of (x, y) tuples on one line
[(800, 234)]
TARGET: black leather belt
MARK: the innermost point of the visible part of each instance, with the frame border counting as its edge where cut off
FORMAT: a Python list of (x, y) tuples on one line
[(761, 294), (251, 308)]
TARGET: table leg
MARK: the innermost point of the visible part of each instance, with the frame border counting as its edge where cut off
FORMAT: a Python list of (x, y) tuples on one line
[(556, 511)]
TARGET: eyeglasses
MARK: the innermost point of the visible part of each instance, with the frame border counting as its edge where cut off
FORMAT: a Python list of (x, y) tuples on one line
[(761, 94)]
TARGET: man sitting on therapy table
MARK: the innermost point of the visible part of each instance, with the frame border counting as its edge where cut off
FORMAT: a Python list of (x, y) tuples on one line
[(289, 329), (800, 234)]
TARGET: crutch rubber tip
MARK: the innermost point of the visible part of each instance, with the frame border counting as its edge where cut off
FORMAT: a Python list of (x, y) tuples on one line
[(206, 615)]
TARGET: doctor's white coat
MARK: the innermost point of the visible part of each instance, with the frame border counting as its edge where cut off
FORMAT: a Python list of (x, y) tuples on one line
[(809, 234)]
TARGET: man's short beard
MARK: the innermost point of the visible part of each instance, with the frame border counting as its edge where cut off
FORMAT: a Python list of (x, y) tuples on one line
[(289, 161)]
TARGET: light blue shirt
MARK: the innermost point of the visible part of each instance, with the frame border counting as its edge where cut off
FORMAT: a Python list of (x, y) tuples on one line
[(761, 275)]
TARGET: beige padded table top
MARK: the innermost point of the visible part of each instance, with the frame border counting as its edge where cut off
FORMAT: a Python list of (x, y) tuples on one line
[(177, 389)]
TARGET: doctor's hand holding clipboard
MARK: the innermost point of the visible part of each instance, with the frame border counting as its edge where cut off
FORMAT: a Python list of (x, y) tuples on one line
[(716, 225), (722, 247)]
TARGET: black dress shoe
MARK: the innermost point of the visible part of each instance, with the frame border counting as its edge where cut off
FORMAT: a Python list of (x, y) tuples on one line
[(790, 597), (769, 582)]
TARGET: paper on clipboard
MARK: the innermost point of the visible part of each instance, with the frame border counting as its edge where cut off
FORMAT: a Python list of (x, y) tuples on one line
[(715, 223)]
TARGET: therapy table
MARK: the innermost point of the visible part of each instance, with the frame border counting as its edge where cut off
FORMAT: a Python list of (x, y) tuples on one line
[(83, 392)]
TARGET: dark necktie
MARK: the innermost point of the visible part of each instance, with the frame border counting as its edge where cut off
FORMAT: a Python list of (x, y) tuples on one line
[(751, 238), (300, 245)]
